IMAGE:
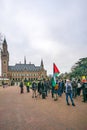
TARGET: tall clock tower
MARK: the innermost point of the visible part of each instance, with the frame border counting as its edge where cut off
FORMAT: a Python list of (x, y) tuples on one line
[(4, 59)]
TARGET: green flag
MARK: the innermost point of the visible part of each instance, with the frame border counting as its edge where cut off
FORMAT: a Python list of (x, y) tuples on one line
[(53, 81)]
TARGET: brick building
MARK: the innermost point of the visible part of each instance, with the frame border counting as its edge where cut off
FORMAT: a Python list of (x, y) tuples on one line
[(21, 70)]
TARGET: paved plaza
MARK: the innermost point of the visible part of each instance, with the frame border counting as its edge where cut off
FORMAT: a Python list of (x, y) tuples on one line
[(22, 112)]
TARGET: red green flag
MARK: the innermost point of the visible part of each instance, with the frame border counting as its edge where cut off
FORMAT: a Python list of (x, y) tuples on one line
[(55, 70)]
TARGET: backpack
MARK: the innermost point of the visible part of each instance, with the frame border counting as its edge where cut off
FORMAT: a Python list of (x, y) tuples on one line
[(34, 86), (69, 89)]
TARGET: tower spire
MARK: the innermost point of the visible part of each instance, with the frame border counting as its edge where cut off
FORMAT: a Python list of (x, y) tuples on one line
[(4, 45), (42, 65), (5, 40), (24, 59)]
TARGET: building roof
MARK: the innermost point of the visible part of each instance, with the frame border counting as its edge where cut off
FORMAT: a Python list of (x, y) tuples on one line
[(25, 67)]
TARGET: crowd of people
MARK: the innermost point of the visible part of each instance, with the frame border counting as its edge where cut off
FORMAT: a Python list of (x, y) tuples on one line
[(72, 89)]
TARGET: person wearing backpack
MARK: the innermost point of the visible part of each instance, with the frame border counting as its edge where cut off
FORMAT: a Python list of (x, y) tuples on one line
[(69, 92)]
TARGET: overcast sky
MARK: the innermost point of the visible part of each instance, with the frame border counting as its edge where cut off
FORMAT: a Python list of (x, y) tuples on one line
[(52, 30)]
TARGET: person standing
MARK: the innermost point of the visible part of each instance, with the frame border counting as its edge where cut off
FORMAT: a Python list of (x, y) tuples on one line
[(79, 87), (46, 88), (74, 88), (69, 92), (52, 88), (56, 92), (60, 89), (34, 88), (39, 88), (21, 87), (28, 86)]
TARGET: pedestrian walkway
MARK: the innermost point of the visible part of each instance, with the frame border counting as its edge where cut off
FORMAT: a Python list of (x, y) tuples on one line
[(22, 112)]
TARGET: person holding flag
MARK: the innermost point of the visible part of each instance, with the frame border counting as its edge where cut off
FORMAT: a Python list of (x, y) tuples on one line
[(56, 92), (54, 84)]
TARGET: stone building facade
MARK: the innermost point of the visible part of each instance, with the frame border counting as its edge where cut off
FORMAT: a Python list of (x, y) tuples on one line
[(21, 70)]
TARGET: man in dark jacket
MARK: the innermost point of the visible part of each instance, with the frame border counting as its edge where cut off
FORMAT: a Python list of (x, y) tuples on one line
[(21, 87), (34, 88)]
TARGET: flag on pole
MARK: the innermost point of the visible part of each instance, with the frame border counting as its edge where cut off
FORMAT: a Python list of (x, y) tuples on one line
[(55, 70), (55, 73)]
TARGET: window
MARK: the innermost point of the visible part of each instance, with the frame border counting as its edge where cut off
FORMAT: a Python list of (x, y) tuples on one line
[(4, 62)]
